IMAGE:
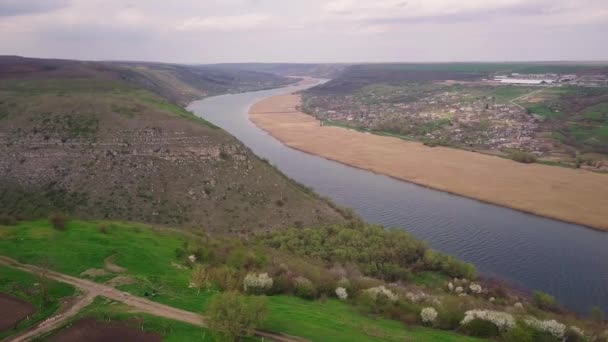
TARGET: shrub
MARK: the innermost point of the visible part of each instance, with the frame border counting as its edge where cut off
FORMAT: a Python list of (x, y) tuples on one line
[(597, 314), (234, 314), (224, 277), (475, 288), (341, 293), (574, 334), (58, 220), (450, 314), (199, 278), (519, 334), (304, 288), (103, 229), (380, 292), (553, 327), (523, 157), (257, 283), (502, 320), (480, 328), (428, 315), (545, 301)]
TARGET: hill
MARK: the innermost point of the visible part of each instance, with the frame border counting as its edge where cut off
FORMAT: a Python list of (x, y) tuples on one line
[(105, 140), (323, 70)]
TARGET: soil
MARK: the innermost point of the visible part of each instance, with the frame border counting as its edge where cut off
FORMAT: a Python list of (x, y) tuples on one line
[(13, 310), (92, 330), (570, 195)]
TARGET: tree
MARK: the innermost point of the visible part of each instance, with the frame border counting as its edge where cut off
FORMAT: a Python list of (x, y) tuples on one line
[(234, 314)]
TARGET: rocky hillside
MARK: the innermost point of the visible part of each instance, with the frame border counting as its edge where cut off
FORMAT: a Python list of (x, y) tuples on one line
[(87, 139)]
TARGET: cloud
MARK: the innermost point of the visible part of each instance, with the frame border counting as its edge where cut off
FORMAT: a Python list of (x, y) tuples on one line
[(305, 30), (21, 7), (225, 23)]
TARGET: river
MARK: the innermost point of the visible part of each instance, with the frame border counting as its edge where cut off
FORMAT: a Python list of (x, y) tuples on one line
[(566, 260)]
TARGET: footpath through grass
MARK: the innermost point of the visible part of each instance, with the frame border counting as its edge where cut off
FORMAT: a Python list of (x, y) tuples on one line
[(148, 255), (26, 286)]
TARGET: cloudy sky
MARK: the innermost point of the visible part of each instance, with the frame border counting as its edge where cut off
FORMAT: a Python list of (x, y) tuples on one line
[(209, 31)]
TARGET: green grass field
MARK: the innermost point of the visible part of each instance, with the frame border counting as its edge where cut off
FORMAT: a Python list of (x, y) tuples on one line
[(148, 254), (334, 321), (25, 286)]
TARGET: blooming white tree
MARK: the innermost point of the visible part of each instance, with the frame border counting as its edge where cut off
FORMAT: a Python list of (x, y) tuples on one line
[(341, 293), (428, 315), (502, 320), (257, 283), (553, 327), (475, 288), (381, 290)]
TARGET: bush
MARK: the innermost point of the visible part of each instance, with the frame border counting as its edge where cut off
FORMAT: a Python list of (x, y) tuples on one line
[(234, 314), (519, 334), (304, 288), (225, 278), (450, 314), (428, 315), (545, 301), (597, 314), (257, 283), (103, 229), (58, 220), (480, 328), (523, 157)]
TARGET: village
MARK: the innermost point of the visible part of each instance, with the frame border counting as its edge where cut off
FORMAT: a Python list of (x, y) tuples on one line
[(448, 115)]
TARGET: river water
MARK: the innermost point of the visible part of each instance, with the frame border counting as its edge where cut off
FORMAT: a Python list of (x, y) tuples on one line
[(566, 260)]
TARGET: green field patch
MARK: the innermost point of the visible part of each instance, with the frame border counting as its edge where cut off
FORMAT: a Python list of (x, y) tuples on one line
[(543, 110), (508, 93), (332, 320), (598, 112)]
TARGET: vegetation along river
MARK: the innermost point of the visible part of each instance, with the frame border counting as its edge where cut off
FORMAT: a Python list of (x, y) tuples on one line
[(565, 260)]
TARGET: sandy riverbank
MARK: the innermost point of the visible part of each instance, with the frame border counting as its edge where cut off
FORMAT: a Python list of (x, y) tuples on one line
[(570, 195)]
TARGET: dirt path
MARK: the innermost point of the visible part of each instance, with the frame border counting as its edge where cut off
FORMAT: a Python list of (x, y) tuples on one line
[(56, 321), (570, 195), (92, 289)]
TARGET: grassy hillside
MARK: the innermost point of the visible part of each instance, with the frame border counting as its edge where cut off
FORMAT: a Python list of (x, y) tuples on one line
[(154, 267), (162, 264), (75, 138)]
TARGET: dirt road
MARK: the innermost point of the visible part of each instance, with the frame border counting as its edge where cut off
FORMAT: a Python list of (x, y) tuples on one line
[(92, 290)]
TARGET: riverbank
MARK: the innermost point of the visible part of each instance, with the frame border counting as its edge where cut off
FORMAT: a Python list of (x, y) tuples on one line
[(569, 195)]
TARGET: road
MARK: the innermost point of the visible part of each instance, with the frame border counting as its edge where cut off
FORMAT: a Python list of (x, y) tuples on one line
[(92, 290)]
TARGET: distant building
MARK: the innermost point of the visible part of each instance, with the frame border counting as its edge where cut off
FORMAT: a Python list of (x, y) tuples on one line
[(524, 81)]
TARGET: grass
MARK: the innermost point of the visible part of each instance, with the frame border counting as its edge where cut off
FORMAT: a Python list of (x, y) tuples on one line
[(598, 112), (543, 110), (334, 321), (508, 93), (148, 254), (23, 285)]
